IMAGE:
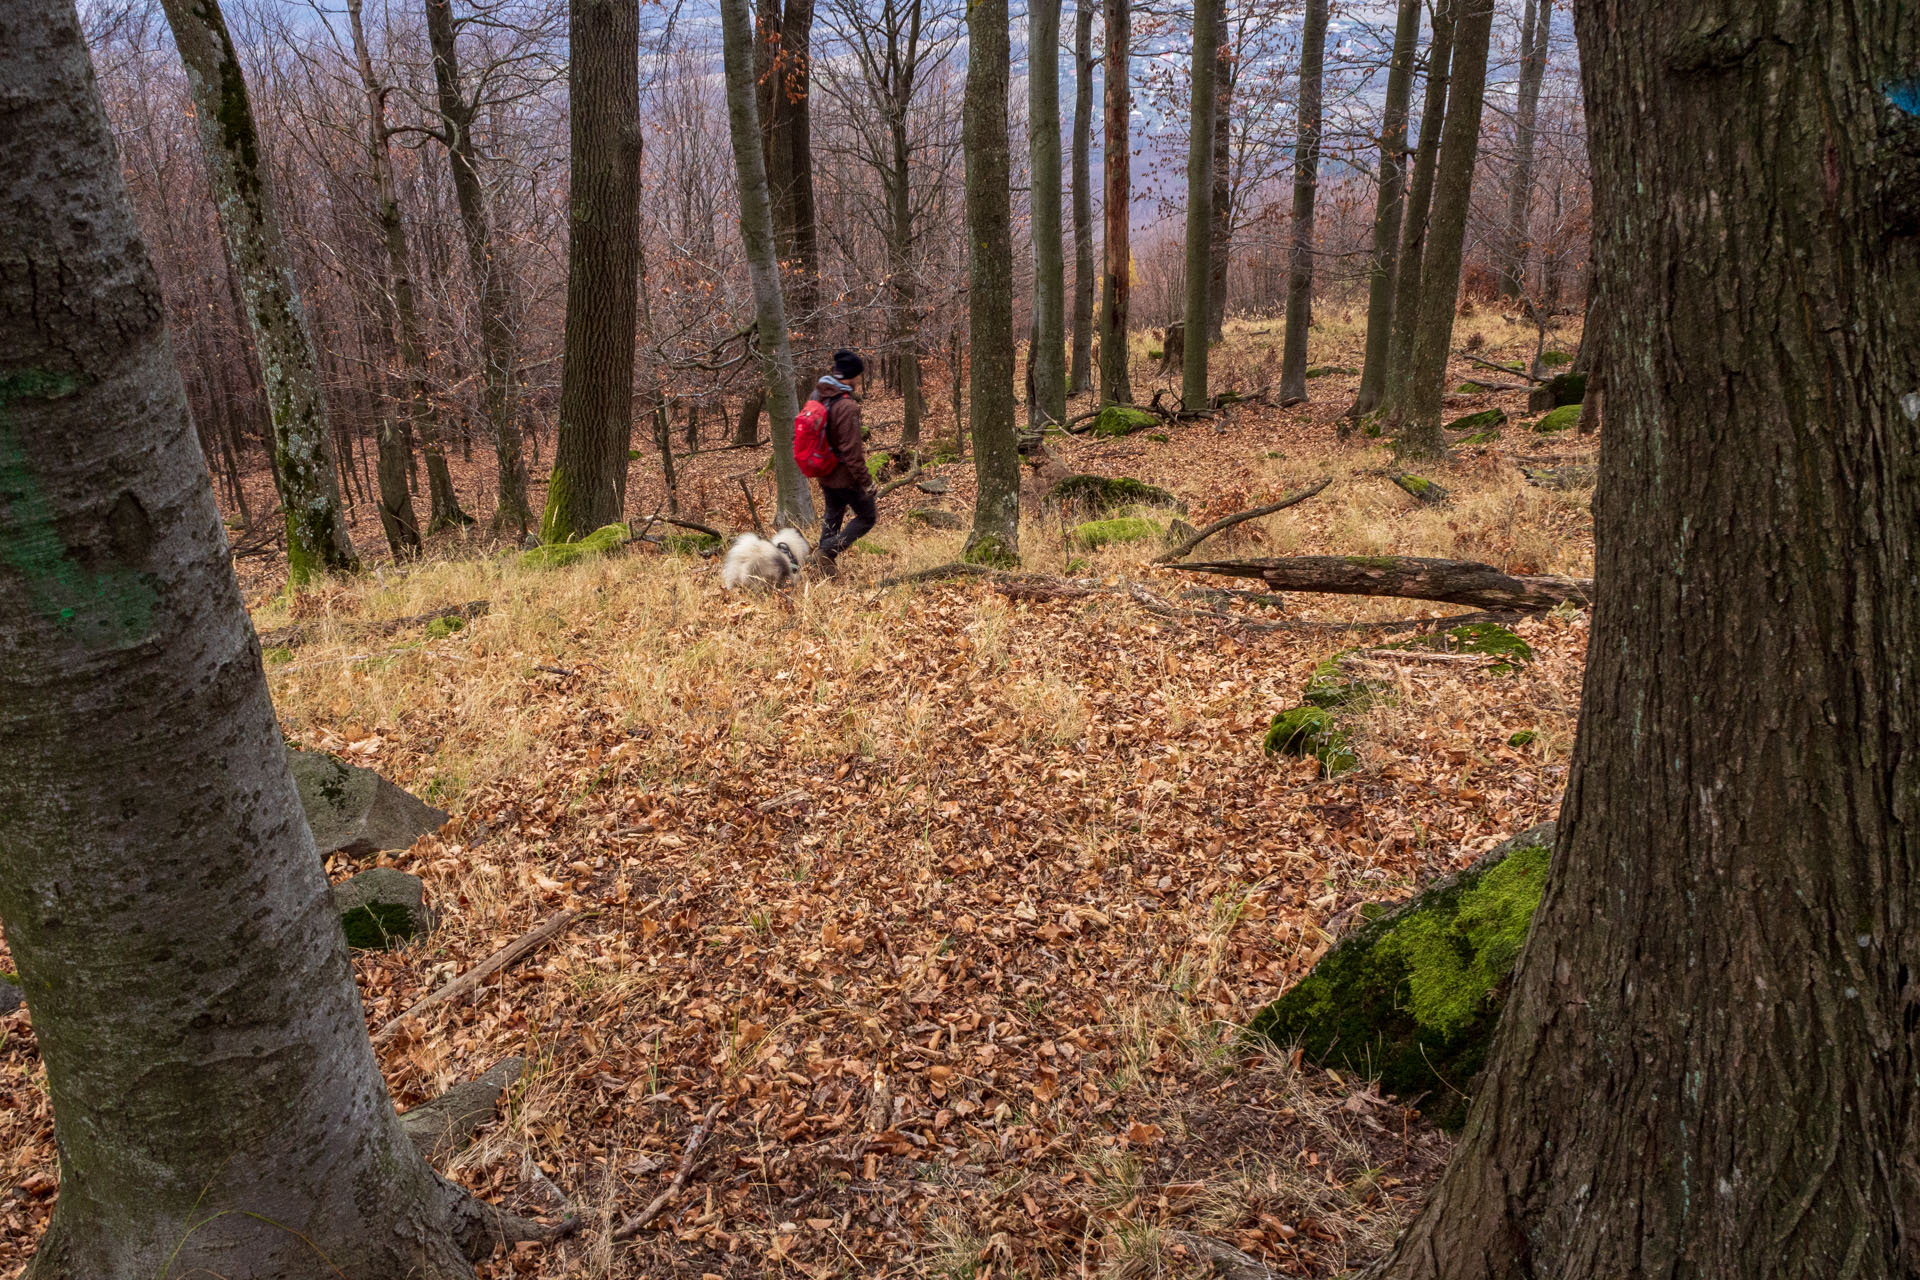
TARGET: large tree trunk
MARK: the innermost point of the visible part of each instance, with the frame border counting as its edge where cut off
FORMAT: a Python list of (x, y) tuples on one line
[(491, 281), (903, 280), (1199, 246), (217, 1106), (996, 510), (1080, 378), (588, 489), (784, 74), (1306, 186), (443, 504), (1413, 228), (1410, 577), (1116, 282), (1046, 357), (302, 448), (793, 499), (1226, 71), (1387, 209), (1706, 1067), (1534, 30), (1417, 413)]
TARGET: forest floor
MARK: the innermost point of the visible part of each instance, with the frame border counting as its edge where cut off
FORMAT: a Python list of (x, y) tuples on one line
[(953, 906)]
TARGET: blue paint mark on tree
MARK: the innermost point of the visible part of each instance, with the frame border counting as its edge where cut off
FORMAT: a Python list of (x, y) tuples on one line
[(1905, 95)]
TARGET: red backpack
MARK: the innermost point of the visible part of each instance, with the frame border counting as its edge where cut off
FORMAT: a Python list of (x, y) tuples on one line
[(811, 451)]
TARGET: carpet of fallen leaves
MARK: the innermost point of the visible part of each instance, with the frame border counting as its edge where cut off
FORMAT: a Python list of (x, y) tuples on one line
[(949, 908)]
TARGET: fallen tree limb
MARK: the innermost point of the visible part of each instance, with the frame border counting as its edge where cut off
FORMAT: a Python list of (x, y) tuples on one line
[(290, 637), (514, 952), (638, 1222), (1227, 522), (900, 483), (443, 1127), (951, 569), (1410, 577), (1488, 364)]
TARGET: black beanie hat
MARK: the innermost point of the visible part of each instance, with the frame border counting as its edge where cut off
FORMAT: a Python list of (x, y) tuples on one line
[(848, 365)]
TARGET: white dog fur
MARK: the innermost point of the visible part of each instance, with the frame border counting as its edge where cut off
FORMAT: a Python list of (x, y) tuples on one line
[(753, 561)]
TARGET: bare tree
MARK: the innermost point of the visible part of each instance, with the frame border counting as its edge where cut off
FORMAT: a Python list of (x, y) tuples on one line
[(784, 70), (1046, 357), (1306, 188), (1200, 193), (1117, 281), (1534, 30), (996, 509), (1413, 233), (1387, 210), (1080, 376)]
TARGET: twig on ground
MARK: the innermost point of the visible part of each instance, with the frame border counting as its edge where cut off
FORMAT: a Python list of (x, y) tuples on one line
[(557, 671), (902, 482), (1488, 364), (1227, 522), (753, 508), (520, 948), (638, 1222)]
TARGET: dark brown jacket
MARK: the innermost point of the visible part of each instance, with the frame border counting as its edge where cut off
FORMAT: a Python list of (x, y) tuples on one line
[(843, 433)]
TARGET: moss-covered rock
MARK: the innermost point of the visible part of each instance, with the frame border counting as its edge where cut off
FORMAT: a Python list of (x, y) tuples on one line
[(1310, 731), (1123, 420), (1098, 533), (1522, 737), (1479, 437), (1329, 370), (11, 997), (935, 518), (1422, 488), (356, 811), (1413, 995), (1155, 355), (382, 907), (1112, 493), (690, 543), (445, 625), (1471, 388), (1561, 389), (553, 555), (1484, 420), (1565, 417), (877, 465), (1555, 359), (1489, 638), (1331, 689)]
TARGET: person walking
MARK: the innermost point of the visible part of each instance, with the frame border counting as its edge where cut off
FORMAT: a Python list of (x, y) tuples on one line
[(849, 486)]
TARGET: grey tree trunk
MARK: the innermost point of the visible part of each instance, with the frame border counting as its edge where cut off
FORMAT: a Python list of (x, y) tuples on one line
[(1080, 378), (1417, 415), (1046, 358), (1706, 1064), (995, 538), (1387, 210), (492, 284), (784, 75), (1199, 246), (1535, 28), (1225, 73), (1306, 187), (905, 284), (793, 499), (1413, 235), (443, 504), (588, 489), (217, 1106), (302, 448), (1116, 284)]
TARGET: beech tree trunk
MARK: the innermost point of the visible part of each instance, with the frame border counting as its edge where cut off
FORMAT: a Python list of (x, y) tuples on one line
[(217, 1106), (793, 500), (1534, 30), (1706, 1064), (302, 448), (1417, 414), (1226, 71), (1080, 378), (588, 489), (443, 504), (1388, 209), (1411, 577), (1306, 186), (996, 510), (784, 73), (1413, 235), (1117, 282), (492, 283), (1199, 247), (1046, 357)]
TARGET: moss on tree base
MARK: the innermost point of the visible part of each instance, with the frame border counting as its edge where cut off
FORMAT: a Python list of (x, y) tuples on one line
[(606, 538), (1413, 995)]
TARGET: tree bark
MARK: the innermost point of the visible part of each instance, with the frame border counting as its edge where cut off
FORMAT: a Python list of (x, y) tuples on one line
[(1706, 1065), (1080, 378), (1388, 209), (1199, 246), (785, 92), (1411, 577), (443, 503), (1534, 30), (1306, 186), (302, 448), (902, 276), (793, 499), (217, 1105), (588, 489), (995, 538), (492, 284), (1413, 235), (1417, 413), (1220, 255), (1116, 283), (1046, 357)]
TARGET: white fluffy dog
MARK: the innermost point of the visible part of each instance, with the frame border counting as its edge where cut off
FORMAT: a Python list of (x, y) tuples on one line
[(753, 561)]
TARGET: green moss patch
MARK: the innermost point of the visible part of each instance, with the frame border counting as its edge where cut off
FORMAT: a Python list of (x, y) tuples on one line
[(1330, 688), (379, 926), (1421, 487), (1111, 493), (1158, 437), (1479, 437), (1567, 388), (1329, 370), (877, 464), (1098, 533), (1123, 420), (1555, 359), (1522, 738), (554, 555), (442, 627), (1561, 419), (691, 543), (1412, 996), (1481, 421), (1488, 638), (1471, 388), (1310, 731)]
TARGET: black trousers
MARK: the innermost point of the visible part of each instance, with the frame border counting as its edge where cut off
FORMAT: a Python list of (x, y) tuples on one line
[(833, 539)]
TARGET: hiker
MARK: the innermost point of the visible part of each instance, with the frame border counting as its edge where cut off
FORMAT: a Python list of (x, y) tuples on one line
[(848, 485)]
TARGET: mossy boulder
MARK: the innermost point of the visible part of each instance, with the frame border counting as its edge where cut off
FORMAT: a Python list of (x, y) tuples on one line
[(1471, 388), (1522, 738), (1564, 418), (1489, 638), (11, 997), (1555, 359), (1112, 493), (1422, 488), (1561, 389), (1330, 688), (381, 908), (1310, 731), (1485, 420), (554, 555), (935, 518), (1412, 996), (877, 465), (1098, 533), (1123, 420), (1329, 370), (356, 811), (1479, 437)]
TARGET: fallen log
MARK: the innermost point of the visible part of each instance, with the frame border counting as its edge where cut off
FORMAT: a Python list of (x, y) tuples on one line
[(1410, 577), (1227, 522)]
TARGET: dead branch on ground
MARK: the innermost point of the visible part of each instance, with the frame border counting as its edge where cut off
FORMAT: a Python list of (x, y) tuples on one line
[(1227, 522)]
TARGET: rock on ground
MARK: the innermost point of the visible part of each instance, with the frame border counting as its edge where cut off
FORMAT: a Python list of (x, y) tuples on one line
[(382, 907), (356, 811)]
